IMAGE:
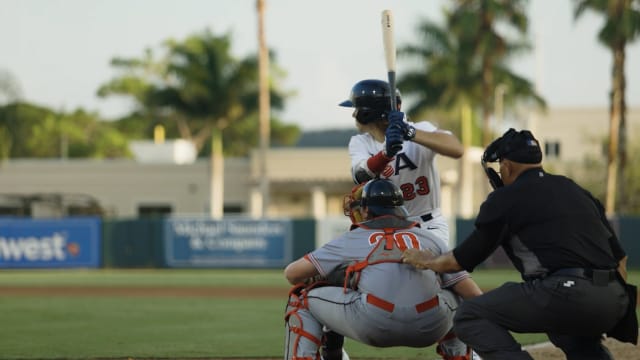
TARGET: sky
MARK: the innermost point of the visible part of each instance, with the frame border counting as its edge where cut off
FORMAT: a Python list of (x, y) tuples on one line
[(59, 50)]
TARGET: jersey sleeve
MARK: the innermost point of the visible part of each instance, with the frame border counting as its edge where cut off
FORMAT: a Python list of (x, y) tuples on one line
[(359, 156), (428, 127), (358, 150), (326, 258), (367, 159), (487, 236)]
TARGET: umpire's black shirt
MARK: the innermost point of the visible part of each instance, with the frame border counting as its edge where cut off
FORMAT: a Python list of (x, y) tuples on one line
[(544, 222)]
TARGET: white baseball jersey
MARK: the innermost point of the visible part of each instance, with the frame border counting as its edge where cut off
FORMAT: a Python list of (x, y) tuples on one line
[(413, 170), (397, 316)]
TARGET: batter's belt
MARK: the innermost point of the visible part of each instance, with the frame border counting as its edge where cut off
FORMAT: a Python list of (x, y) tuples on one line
[(428, 216), (388, 306)]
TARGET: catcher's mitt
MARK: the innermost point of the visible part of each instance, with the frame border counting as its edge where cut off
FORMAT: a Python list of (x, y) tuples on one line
[(351, 204), (338, 275), (334, 278)]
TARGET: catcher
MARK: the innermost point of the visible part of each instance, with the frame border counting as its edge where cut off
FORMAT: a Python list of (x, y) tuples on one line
[(357, 286)]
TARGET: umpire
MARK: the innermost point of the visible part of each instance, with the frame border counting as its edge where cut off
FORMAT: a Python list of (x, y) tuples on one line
[(557, 236)]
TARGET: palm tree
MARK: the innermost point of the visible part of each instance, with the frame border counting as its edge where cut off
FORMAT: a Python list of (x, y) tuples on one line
[(622, 26), (201, 90), (475, 23), (209, 91), (150, 84), (208, 88), (449, 78), (443, 74), (443, 79), (452, 77)]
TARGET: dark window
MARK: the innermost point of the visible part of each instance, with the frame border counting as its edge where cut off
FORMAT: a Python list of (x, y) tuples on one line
[(150, 210), (552, 149), (233, 209)]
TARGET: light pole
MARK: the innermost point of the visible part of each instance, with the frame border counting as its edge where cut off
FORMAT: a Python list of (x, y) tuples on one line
[(264, 106)]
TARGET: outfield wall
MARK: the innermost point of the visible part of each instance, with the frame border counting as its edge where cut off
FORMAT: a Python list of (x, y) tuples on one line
[(50, 243), (191, 242)]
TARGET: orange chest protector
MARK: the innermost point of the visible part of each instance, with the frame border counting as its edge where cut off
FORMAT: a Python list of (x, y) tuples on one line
[(389, 249)]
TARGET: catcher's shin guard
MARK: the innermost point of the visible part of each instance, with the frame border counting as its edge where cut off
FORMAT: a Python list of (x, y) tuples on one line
[(441, 352), (295, 327), (452, 348)]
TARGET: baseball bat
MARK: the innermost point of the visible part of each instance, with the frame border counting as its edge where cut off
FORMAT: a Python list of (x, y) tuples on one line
[(389, 44)]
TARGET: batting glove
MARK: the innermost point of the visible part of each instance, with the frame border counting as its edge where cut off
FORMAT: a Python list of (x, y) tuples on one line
[(393, 140), (396, 118)]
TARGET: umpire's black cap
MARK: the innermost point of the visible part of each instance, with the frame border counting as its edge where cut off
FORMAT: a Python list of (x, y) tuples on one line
[(519, 146)]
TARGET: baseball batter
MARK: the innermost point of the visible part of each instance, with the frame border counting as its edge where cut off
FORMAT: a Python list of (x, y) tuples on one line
[(391, 147), (376, 300)]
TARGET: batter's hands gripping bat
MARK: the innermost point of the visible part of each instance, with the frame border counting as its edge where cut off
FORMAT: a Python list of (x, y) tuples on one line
[(389, 43)]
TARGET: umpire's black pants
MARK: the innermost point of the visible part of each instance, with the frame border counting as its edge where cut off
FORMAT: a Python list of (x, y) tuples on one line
[(572, 311)]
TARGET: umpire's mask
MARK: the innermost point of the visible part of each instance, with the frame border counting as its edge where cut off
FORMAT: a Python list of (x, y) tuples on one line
[(517, 146)]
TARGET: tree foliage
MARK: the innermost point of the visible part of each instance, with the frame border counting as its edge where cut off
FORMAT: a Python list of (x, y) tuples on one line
[(590, 174), (194, 86), (621, 26), (10, 90), (463, 62), (197, 86), (28, 130)]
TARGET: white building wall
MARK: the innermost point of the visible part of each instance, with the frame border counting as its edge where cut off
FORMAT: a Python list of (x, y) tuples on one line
[(121, 186), (299, 177)]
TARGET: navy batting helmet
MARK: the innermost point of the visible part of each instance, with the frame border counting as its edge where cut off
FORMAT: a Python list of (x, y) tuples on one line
[(382, 197), (372, 100)]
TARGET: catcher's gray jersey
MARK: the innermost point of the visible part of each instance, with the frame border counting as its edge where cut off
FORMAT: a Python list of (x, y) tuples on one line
[(394, 304), (381, 279)]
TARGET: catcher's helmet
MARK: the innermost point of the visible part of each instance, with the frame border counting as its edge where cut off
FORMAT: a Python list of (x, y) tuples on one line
[(372, 99), (382, 197)]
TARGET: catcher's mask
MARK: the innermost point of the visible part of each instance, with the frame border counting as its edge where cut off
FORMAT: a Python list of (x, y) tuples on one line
[(371, 99), (518, 146), (351, 204), (382, 197)]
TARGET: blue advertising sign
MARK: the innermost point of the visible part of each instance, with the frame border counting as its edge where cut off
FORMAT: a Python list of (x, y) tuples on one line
[(50, 243), (227, 243)]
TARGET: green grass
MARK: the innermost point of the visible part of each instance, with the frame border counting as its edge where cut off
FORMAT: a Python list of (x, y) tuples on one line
[(145, 277), (61, 327)]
